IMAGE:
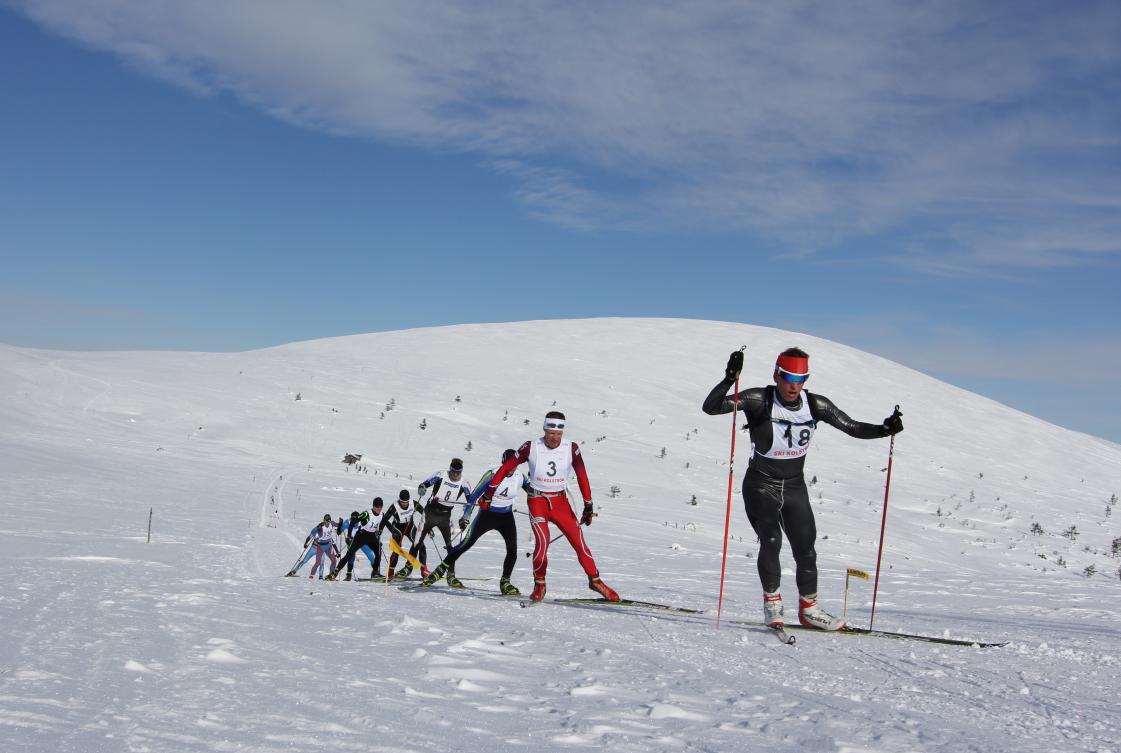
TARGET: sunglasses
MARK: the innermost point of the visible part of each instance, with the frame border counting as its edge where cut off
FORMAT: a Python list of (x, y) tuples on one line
[(792, 378), (553, 425)]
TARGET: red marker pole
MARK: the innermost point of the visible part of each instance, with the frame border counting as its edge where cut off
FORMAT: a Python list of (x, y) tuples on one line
[(728, 511), (883, 527)]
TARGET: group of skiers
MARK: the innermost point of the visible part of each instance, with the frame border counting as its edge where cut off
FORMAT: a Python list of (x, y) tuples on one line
[(550, 459), (781, 419)]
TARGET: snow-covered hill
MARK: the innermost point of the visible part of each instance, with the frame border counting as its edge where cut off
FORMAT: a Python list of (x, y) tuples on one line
[(195, 642)]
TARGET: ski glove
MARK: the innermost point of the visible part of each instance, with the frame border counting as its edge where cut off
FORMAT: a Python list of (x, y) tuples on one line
[(735, 366), (586, 518), (463, 523), (893, 424), (420, 491), (484, 503)]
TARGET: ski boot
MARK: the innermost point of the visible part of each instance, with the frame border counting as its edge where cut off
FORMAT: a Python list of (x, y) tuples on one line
[(538, 590), (349, 575), (290, 574), (507, 588), (772, 609), (375, 574), (435, 575), (602, 589), (404, 572), (331, 575), (813, 616), (455, 582), (424, 572)]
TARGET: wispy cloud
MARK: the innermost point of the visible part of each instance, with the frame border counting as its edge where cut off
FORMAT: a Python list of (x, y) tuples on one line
[(976, 136)]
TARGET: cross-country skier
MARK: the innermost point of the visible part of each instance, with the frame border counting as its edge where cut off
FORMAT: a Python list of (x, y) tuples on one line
[(495, 515), (551, 458), (363, 534), (308, 546), (402, 524), (447, 487), (326, 545), (782, 420)]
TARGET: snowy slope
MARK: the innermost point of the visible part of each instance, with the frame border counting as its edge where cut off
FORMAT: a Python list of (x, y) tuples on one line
[(195, 642)]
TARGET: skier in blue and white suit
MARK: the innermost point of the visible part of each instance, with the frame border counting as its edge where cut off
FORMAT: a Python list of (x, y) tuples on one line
[(310, 553)]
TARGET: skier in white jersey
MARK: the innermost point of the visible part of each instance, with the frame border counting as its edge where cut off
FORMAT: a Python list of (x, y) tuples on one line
[(326, 545), (447, 487), (551, 458), (309, 547), (496, 515), (782, 420)]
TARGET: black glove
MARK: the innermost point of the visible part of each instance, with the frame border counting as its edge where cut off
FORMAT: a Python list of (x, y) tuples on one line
[(735, 366), (420, 491), (893, 424), (463, 523), (586, 518)]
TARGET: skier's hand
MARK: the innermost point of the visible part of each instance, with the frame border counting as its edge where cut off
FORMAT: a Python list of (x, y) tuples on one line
[(893, 424), (735, 366), (484, 503), (420, 491), (586, 518), (463, 523)]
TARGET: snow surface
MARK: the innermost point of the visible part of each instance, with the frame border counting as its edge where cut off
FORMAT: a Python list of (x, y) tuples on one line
[(194, 642)]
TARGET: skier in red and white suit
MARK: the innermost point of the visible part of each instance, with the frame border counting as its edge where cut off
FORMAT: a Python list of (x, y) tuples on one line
[(551, 458)]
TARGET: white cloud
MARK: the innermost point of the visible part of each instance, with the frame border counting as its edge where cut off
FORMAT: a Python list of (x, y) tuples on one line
[(994, 127)]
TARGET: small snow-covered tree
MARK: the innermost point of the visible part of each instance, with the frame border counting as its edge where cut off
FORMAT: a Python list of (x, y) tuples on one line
[(1036, 529), (468, 447), (424, 423), (663, 453), (1089, 571), (1115, 548), (1071, 533)]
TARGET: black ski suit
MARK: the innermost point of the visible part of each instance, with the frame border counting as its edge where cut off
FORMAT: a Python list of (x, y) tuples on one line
[(774, 488)]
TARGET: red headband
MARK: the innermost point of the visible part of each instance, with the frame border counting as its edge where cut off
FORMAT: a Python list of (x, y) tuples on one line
[(794, 365)]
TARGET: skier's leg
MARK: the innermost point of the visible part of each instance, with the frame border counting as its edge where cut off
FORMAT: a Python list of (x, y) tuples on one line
[(566, 520), (474, 531), (762, 502), (539, 523), (801, 530), (509, 530)]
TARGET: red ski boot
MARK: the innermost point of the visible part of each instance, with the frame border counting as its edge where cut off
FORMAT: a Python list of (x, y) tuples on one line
[(602, 589), (538, 590)]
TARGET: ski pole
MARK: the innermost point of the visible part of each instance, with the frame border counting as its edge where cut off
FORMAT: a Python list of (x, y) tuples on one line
[(299, 559), (883, 526), (728, 512)]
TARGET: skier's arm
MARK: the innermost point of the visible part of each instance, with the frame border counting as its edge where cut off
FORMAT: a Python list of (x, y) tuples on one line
[(823, 409), (432, 482), (752, 402), (581, 474)]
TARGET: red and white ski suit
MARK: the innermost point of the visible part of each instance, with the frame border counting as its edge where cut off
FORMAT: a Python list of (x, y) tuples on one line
[(548, 498)]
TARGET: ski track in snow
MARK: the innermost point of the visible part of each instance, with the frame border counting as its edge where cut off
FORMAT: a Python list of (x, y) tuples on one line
[(194, 642)]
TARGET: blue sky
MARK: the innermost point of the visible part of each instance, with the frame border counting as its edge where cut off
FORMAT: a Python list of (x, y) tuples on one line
[(938, 183)]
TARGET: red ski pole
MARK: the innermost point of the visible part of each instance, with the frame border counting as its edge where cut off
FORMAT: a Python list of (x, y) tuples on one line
[(883, 526), (728, 512)]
